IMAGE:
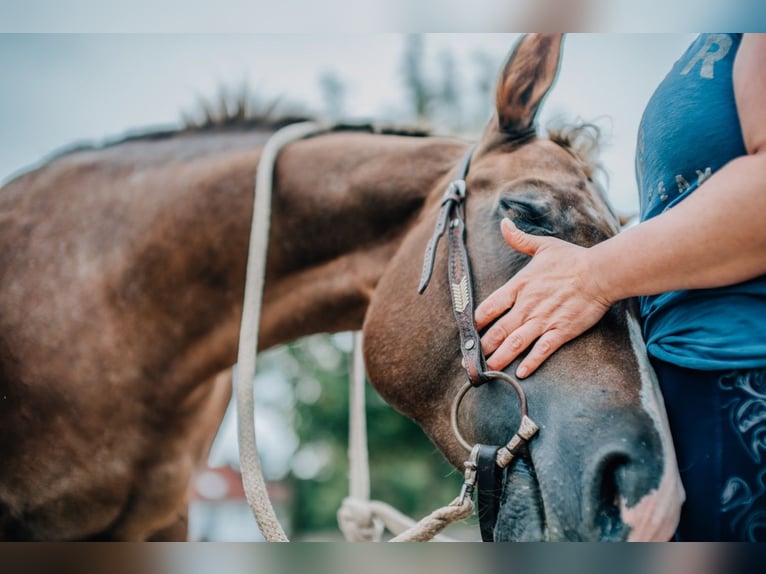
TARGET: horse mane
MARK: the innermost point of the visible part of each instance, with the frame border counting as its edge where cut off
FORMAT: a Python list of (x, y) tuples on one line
[(220, 116), (229, 112), (240, 112)]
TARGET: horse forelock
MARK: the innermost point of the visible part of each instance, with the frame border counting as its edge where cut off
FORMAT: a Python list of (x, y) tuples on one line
[(582, 140)]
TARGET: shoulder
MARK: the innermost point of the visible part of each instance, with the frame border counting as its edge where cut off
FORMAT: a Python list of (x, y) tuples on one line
[(749, 79)]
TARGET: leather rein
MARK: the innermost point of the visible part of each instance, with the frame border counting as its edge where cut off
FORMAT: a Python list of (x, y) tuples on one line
[(486, 463)]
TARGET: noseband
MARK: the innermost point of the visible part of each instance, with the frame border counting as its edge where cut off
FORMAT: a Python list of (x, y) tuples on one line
[(485, 464)]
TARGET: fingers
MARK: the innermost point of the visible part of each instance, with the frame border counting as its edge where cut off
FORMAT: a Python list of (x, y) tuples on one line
[(502, 299), (546, 345), (495, 305), (497, 334), (519, 340), (513, 345), (514, 331), (518, 240)]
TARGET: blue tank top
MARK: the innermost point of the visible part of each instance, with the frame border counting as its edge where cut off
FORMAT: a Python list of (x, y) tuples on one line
[(690, 129)]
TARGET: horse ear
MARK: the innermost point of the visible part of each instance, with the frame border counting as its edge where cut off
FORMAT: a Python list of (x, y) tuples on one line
[(525, 80)]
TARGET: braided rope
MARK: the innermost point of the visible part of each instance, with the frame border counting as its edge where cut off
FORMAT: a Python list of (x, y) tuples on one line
[(427, 528), (252, 474)]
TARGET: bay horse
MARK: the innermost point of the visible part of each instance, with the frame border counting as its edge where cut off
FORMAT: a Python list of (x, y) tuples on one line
[(121, 282)]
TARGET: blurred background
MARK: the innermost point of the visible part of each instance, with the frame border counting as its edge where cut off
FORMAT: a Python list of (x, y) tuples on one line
[(379, 15), (62, 89)]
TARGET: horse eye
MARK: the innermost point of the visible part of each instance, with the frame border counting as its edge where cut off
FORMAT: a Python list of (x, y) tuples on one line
[(527, 216)]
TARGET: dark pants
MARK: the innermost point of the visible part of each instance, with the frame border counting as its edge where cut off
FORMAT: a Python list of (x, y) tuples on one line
[(718, 421)]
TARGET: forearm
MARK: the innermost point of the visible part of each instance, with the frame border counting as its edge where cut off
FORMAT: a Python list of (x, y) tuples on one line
[(715, 237)]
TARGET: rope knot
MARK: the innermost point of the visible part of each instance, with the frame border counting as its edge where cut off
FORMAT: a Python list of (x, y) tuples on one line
[(357, 521)]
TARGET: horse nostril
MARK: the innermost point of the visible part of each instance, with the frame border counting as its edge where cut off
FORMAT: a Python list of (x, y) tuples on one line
[(609, 482)]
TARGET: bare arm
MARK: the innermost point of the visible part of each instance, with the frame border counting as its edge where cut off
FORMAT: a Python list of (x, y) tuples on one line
[(704, 241)]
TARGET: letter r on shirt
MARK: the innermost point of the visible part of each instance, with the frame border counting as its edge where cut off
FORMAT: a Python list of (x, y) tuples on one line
[(709, 55)]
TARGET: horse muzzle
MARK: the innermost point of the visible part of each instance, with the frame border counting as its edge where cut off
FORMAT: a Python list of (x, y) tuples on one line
[(615, 493)]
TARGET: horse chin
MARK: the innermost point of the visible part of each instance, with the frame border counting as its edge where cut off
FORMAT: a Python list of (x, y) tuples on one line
[(521, 517)]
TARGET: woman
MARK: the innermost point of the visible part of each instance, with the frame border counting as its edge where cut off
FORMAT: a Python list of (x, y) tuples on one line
[(697, 262)]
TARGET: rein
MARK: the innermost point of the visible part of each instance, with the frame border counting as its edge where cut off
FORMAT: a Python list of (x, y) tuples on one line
[(485, 464)]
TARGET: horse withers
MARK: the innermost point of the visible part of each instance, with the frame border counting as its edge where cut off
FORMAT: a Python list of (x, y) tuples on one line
[(121, 280)]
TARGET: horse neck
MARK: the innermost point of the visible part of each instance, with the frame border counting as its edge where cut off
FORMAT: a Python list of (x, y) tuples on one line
[(342, 204), (156, 234)]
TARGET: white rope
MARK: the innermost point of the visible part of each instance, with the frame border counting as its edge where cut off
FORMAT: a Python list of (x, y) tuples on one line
[(359, 518), (252, 474), (429, 527), (356, 519), (359, 467), (364, 521)]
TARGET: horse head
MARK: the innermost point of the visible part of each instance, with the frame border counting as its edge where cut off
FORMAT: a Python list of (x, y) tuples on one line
[(602, 466)]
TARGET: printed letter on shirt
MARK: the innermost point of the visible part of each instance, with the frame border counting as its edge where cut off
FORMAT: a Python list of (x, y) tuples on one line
[(709, 57)]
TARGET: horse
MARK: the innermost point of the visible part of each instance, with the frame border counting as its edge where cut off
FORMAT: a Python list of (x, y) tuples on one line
[(121, 283)]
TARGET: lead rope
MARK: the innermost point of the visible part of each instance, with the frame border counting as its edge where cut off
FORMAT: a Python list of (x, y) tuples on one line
[(252, 474), (356, 519), (363, 519)]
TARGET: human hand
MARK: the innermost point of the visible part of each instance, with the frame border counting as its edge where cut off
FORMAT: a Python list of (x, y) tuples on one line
[(553, 299)]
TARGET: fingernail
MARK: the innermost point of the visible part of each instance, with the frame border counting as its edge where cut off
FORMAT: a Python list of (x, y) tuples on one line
[(522, 372)]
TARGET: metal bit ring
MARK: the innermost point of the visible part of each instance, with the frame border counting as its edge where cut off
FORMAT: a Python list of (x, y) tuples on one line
[(527, 428)]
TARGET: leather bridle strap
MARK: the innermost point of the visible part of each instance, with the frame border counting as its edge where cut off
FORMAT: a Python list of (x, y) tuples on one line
[(452, 213), (459, 272), (489, 486), (454, 195), (486, 463)]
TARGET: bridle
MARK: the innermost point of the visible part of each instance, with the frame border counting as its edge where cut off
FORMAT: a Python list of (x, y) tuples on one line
[(485, 464)]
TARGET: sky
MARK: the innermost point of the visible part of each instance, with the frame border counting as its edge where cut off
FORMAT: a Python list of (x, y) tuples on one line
[(379, 15), (60, 89)]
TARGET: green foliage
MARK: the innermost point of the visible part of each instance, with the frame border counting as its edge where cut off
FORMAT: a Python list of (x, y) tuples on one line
[(406, 469)]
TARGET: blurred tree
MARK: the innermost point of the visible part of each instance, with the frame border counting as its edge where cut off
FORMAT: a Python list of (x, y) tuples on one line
[(415, 80), (438, 92), (484, 69), (448, 100), (406, 469), (333, 94)]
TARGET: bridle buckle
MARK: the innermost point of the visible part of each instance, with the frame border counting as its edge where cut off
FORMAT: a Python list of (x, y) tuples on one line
[(455, 191), (459, 187)]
